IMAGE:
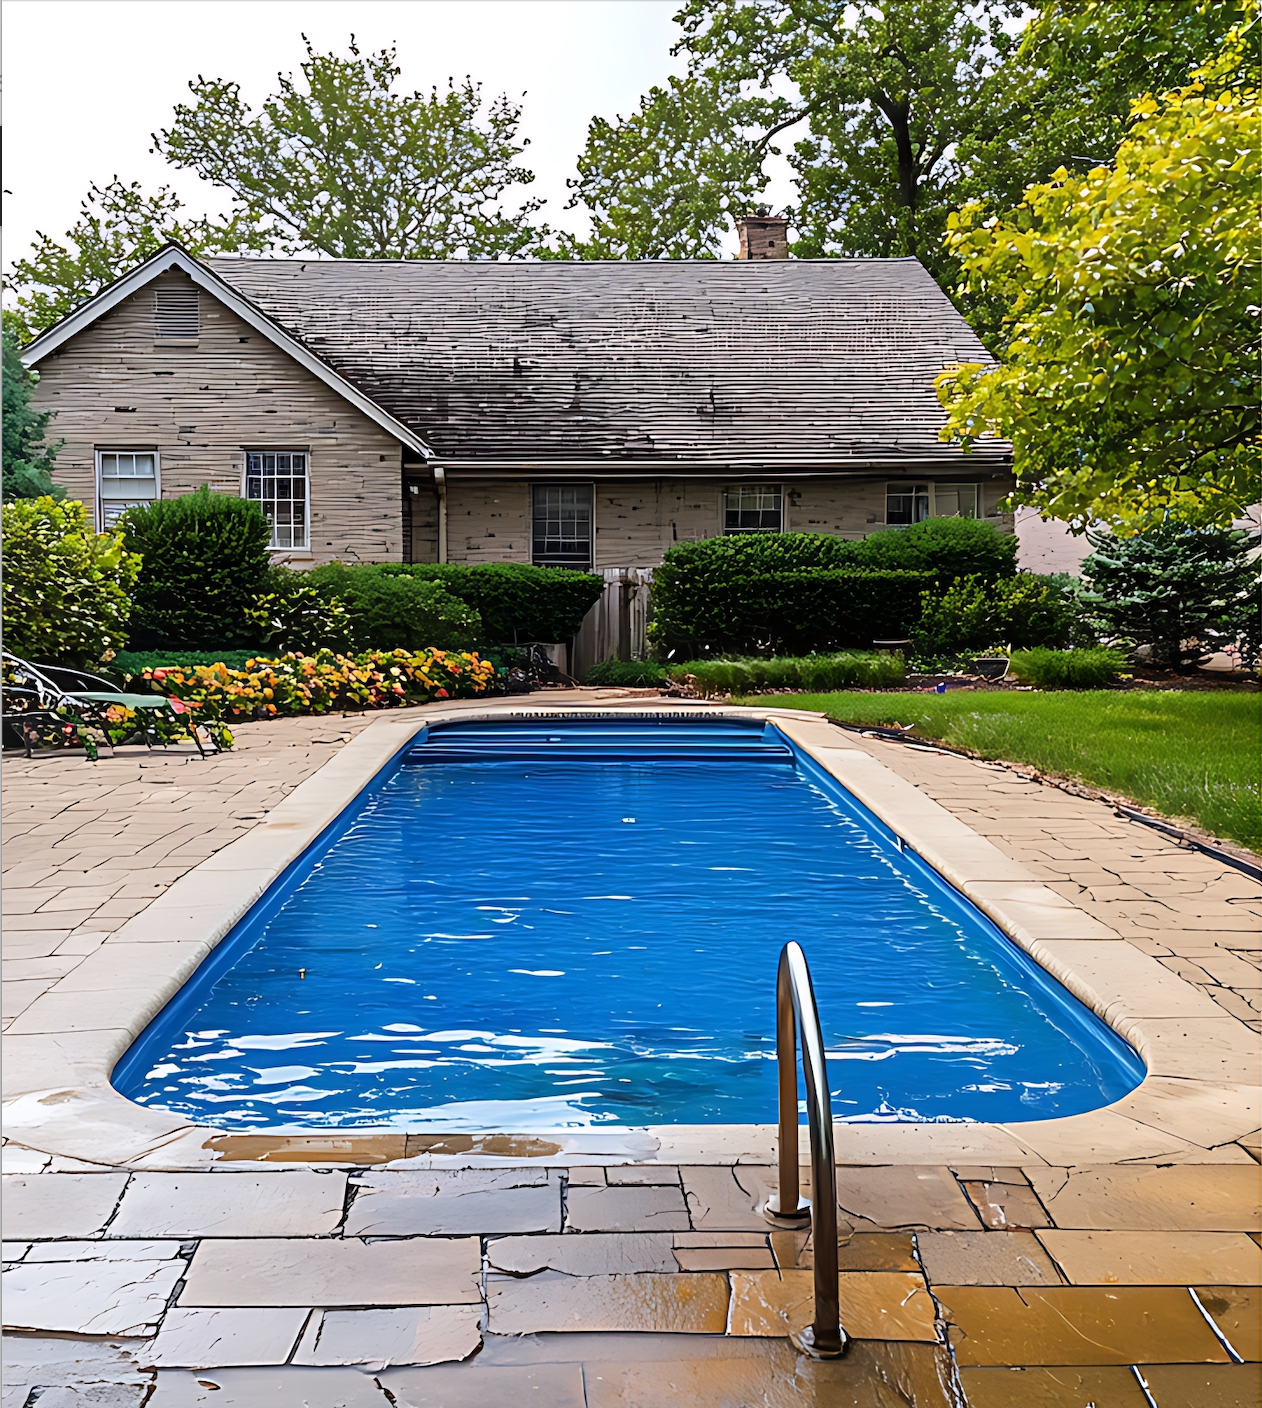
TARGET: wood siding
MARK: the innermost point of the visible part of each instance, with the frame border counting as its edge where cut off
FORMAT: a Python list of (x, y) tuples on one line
[(201, 406)]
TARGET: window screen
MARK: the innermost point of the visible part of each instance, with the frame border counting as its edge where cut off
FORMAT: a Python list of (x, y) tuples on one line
[(277, 480), (562, 525), (175, 313), (906, 503), (126, 479), (753, 508)]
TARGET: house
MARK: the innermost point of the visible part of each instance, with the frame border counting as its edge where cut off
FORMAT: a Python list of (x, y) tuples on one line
[(562, 413)]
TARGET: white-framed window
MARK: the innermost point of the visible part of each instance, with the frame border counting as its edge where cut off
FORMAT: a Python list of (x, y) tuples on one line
[(561, 526), (277, 481), (124, 479), (906, 504), (753, 508), (956, 501)]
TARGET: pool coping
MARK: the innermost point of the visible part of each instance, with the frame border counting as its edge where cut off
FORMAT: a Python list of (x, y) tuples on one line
[(57, 1067)]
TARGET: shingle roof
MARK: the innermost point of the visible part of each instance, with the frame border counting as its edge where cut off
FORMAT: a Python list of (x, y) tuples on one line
[(775, 362)]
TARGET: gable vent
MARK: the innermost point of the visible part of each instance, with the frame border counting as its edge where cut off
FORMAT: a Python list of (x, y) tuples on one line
[(175, 316)]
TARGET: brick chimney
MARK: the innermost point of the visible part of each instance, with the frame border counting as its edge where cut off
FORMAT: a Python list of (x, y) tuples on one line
[(763, 237)]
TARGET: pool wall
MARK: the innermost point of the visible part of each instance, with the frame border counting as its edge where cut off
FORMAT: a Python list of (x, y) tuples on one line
[(58, 1083)]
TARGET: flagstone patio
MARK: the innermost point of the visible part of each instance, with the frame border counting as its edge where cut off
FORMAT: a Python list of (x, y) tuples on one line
[(1112, 1268)]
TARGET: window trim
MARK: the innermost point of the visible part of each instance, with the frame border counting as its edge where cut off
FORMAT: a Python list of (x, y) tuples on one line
[(99, 451), (305, 452), (590, 486), (739, 487)]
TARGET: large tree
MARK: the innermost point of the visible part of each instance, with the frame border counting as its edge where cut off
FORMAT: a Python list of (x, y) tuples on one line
[(341, 163), (879, 97), (1129, 385), (28, 458), (118, 227), (893, 113)]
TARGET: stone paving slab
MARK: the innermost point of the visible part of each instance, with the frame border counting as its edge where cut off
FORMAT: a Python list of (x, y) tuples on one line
[(400, 1204), (986, 1259), (1077, 1325), (1185, 1198), (428, 1334), (206, 1339), (1140, 1259), (875, 1305), (286, 1387), (627, 1209), (1060, 1387), (307, 1271), (590, 1254), (1237, 1311), (61, 1205), (299, 1203), (100, 1297), (667, 1304)]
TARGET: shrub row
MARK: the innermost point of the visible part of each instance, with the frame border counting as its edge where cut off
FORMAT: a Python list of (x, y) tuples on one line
[(789, 612), (816, 673), (1068, 669), (812, 591), (627, 674), (135, 662), (321, 683)]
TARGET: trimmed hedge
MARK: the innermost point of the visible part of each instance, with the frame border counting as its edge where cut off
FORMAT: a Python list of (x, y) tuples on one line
[(1068, 669), (204, 562), (787, 613), (811, 672), (389, 610), (321, 683), (136, 662), (517, 602), (793, 592)]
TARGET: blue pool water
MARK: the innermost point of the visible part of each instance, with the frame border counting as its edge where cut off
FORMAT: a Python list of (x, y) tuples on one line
[(534, 926)]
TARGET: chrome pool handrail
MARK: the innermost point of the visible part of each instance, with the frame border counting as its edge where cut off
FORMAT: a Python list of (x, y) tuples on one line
[(796, 1012)]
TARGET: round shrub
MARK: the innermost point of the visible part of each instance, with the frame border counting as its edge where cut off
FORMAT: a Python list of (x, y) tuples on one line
[(947, 547), (1021, 611), (387, 610), (516, 601), (205, 561), (1068, 669), (66, 588)]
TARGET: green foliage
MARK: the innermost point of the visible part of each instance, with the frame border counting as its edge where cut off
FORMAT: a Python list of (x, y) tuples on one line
[(627, 674), (295, 613), (341, 163), (797, 592), (66, 588), (28, 461), (389, 610), (1080, 66), (118, 227), (851, 670), (1068, 669), (205, 563), (516, 601), (136, 662), (1191, 754), (786, 612), (947, 547), (1174, 585), (1129, 385), (971, 615), (885, 96)]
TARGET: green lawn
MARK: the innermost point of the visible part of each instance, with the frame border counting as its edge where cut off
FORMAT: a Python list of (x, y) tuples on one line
[(1188, 755)]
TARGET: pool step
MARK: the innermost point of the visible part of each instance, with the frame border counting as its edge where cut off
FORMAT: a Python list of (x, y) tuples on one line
[(641, 741)]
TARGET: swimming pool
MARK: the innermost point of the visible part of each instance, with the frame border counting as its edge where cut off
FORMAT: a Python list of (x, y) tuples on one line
[(544, 924)]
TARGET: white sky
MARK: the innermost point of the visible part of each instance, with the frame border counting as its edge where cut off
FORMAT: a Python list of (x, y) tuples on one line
[(87, 81)]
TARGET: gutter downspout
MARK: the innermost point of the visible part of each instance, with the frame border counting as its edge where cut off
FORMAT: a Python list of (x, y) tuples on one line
[(440, 484)]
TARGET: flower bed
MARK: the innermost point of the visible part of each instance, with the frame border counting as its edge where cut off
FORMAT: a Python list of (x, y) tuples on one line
[(321, 683)]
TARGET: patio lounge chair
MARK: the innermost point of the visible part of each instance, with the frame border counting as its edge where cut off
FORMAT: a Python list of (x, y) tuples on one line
[(35, 694)]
